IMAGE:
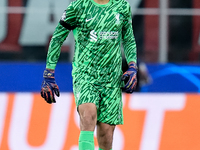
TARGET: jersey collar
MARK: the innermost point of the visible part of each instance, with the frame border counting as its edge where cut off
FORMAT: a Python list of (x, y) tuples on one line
[(100, 5)]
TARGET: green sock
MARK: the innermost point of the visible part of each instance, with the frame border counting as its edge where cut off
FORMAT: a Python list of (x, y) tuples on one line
[(86, 140)]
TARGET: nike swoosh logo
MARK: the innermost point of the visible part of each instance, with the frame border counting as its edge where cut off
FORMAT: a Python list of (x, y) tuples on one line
[(88, 19)]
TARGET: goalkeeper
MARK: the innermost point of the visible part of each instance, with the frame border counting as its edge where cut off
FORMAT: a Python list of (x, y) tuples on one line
[(99, 28)]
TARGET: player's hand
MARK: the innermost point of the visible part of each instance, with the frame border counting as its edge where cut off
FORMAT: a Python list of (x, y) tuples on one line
[(49, 87), (130, 79)]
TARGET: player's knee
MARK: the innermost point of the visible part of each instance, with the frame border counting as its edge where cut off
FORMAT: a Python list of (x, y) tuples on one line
[(106, 140), (88, 114), (88, 122), (88, 118), (106, 135)]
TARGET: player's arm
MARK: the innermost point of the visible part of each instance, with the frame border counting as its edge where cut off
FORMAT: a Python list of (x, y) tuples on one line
[(129, 44), (66, 24), (55, 44), (128, 38)]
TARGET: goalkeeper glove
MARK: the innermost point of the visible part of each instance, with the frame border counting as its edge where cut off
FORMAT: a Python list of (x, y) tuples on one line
[(130, 79), (49, 87)]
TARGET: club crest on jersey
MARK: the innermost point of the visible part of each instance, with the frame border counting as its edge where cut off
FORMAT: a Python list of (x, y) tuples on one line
[(117, 18)]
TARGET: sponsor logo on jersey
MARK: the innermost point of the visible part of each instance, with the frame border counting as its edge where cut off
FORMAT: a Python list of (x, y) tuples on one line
[(109, 35), (93, 36), (103, 35)]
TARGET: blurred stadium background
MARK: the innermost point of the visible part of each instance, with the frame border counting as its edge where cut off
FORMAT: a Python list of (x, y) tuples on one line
[(163, 115)]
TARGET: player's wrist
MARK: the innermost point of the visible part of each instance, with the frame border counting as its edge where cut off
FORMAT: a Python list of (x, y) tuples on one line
[(50, 69), (49, 73), (133, 66)]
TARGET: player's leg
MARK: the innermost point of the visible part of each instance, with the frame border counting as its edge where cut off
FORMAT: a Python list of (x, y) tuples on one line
[(88, 116), (105, 135), (87, 99), (109, 115), (88, 119)]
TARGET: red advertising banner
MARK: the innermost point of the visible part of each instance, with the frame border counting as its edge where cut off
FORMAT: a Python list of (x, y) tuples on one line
[(151, 122)]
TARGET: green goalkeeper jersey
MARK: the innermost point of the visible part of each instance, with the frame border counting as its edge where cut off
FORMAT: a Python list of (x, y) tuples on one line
[(99, 31)]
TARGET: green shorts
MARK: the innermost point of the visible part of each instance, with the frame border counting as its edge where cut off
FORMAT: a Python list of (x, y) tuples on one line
[(108, 101)]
